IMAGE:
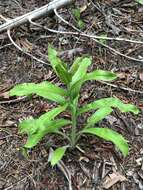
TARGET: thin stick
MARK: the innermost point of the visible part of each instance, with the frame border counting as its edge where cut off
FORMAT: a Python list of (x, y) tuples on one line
[(123, 88), (23, 51), (96, 36), (93, 37), (13, 101), (36, 14)]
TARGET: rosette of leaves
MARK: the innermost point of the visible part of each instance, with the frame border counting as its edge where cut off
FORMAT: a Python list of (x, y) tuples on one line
[(73, 78)]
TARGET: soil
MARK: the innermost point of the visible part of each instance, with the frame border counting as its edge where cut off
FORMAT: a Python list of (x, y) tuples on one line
[(95, 161)]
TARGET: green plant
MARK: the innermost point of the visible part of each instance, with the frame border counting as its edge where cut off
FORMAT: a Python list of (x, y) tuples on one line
[(140, 1), (67, 98), (76, 13)]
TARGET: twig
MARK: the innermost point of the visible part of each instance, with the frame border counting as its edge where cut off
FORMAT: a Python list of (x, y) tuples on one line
[(19, 48), (14, 100), (6, 45), (88, 36), (123, 88), (11, 186), (23, 51), (94, 38), (40, 12)]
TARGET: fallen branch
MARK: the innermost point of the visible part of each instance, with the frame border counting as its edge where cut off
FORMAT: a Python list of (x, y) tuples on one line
[(36, 14), (92, 37)]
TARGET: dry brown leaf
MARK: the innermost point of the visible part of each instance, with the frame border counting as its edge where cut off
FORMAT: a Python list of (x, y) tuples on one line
[(112, 179), (121, 75), (111, 119), (83, 8), (5, 95)]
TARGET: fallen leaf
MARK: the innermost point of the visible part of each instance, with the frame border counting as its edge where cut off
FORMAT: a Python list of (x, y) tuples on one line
[(112, 179), (111, 119), (5, 95), (121, 75), (83, 8), (139, 161)]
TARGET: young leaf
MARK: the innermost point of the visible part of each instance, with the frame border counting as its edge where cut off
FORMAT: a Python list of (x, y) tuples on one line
[(100, 75), (140, 1), (83, 77), (75, 89), (38, 128), (78, 75), (43, 89), (99, 115), (109, 102), (58, 65), (53, 113), (44, 129), (75, 65), (76, 14), (54, 126), (110, 135), (33, 139), (53, 57), (81, 71), (57, 155), (28, 126), (81, 24)]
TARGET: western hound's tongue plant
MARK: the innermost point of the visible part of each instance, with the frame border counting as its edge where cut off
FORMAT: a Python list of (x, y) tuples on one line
[(73, 78)]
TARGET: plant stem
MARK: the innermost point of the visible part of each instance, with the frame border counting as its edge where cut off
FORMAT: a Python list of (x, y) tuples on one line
[(73, 132), (73, 110)]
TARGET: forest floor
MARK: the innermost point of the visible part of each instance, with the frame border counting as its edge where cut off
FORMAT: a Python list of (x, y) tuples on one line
[(97, 164)]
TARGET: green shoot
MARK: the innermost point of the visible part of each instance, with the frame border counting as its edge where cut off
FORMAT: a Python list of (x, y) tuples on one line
[(68, 100)]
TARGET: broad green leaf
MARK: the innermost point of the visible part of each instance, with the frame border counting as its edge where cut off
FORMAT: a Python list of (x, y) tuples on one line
[(28, 88), (99, 115), (53, 97), (52, 114), (33, 139), (110, 135), (44, 129), (63, 75), (54, 126), (38, 128), (44, 89), (28, 126), (81, 71), (57, 155), (78, 77), (58, 65), (83, 77), (109, 102), (75, 89), (100, 75), (53, 57), (140, 1)]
